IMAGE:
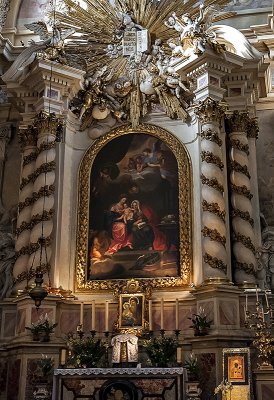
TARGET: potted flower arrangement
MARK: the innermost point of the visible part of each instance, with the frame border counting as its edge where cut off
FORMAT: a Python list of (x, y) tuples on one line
[(161, 350), (87, 352), (191, 365), (200, 323), (42, 329)]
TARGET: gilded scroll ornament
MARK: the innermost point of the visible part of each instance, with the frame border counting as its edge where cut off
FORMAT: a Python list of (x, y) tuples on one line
[(210, 110), (212, 183), (215, 262), (213, 234), (209, 157), (214, 208), (48, 123), (211, 135)]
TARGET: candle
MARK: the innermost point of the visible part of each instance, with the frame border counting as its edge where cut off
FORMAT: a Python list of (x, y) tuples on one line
[(266, 299), (106, 316), (162, 313), (63, 357), (81, 314), (177, 314), (179, 355), (93, 315), (246, 302), (150, 314), (257, 296)]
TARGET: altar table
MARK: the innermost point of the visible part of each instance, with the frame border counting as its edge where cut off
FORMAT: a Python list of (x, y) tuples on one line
[(118, 384)]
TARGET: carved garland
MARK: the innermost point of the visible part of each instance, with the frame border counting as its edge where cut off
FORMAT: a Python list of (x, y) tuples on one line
[(246, 241), (215, 262), (32, 247), (242, 214), (214, 209), (213, 234), (212, 136), (209, 157), (28, 275), (33, 156), (44, 168), (237, 144), (241, 190), (239, 168), (43, 191), (212, 183), (35, 219), (248, 268)]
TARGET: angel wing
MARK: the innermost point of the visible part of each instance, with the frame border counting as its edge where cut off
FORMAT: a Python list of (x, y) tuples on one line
[(39, 28), (66, 33)]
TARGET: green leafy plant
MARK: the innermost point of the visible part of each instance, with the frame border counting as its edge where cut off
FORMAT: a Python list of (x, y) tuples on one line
[(191, 364), (45, 366), (42, 326), (200, 323), (161, 350), (87, 352)]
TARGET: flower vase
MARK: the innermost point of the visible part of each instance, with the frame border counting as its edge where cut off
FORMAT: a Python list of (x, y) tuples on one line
[(44, 337), (42, 392), (36, 337)]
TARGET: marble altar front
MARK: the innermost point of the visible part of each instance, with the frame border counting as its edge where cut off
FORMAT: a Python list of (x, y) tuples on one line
[(118, 383)]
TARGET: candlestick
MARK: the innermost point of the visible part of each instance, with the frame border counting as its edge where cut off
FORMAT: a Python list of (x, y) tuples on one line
[(162, 313), (179, 355), (93, 315), (63, 356), (81, 314), (106, 315), (266, 299), (177, 315), (150, 314)]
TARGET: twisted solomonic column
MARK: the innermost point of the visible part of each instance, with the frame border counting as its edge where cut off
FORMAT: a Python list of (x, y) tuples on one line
[(237, 126), (213, 179), (28, 140), (48, 127)]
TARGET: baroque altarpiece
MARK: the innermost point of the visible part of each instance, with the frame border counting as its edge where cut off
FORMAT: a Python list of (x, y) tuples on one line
[(134, 126)]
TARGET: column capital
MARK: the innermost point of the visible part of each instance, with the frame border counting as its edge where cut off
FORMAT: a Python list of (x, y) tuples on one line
[(237, 121), (48, 123), (253, 128), (210, 110), (27, 136)]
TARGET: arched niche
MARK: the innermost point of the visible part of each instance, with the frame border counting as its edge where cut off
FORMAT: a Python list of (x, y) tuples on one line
[(134, 210)]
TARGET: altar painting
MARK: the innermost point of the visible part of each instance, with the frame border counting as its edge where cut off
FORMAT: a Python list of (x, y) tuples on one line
[(133, 212)]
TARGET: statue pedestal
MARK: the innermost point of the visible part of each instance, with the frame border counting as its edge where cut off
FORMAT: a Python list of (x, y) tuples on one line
[(101, 383)]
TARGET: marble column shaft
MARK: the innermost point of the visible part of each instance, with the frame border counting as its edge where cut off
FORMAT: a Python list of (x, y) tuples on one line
[(238, 124)]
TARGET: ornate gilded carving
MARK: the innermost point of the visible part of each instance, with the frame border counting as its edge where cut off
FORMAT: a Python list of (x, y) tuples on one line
[(215, 262), (32, 247), (35, 219), (184, 175), (213, 208), (48, 123), (28, 136), (239, 168), (253, 128), (28, 275), (237, 144), (209, 157), (241, 190), (211, 135), (237, 121), (44, 168), (43, 191), (212, 183), (248, 268), (246, 241), (242, 214), (213, 234), (210, 110)]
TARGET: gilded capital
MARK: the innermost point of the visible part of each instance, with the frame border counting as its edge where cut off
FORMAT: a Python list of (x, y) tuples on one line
[(237, 121), (27, 136), (210, 110), (253, 128), (48, 123)]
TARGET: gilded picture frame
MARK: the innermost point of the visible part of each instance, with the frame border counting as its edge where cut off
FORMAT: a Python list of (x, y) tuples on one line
[(236, 366), (131, 311), (88, 275)]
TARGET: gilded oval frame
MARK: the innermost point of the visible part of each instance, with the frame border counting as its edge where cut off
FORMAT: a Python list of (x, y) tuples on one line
[(185, 222)]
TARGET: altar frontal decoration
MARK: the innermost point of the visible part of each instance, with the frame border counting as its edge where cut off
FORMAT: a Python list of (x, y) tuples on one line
[(130, 51)]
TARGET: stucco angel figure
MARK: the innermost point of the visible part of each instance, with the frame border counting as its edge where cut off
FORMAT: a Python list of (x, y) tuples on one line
[(7, 259), (54, 40)]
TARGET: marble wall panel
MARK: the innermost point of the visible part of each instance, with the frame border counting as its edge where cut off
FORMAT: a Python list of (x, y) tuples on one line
[(69, 321), (228, 312), (21, 320), (207, 379), (41, 313), (267, 391), (208, 306), (13, 379), (3, 378), (9, 324)]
